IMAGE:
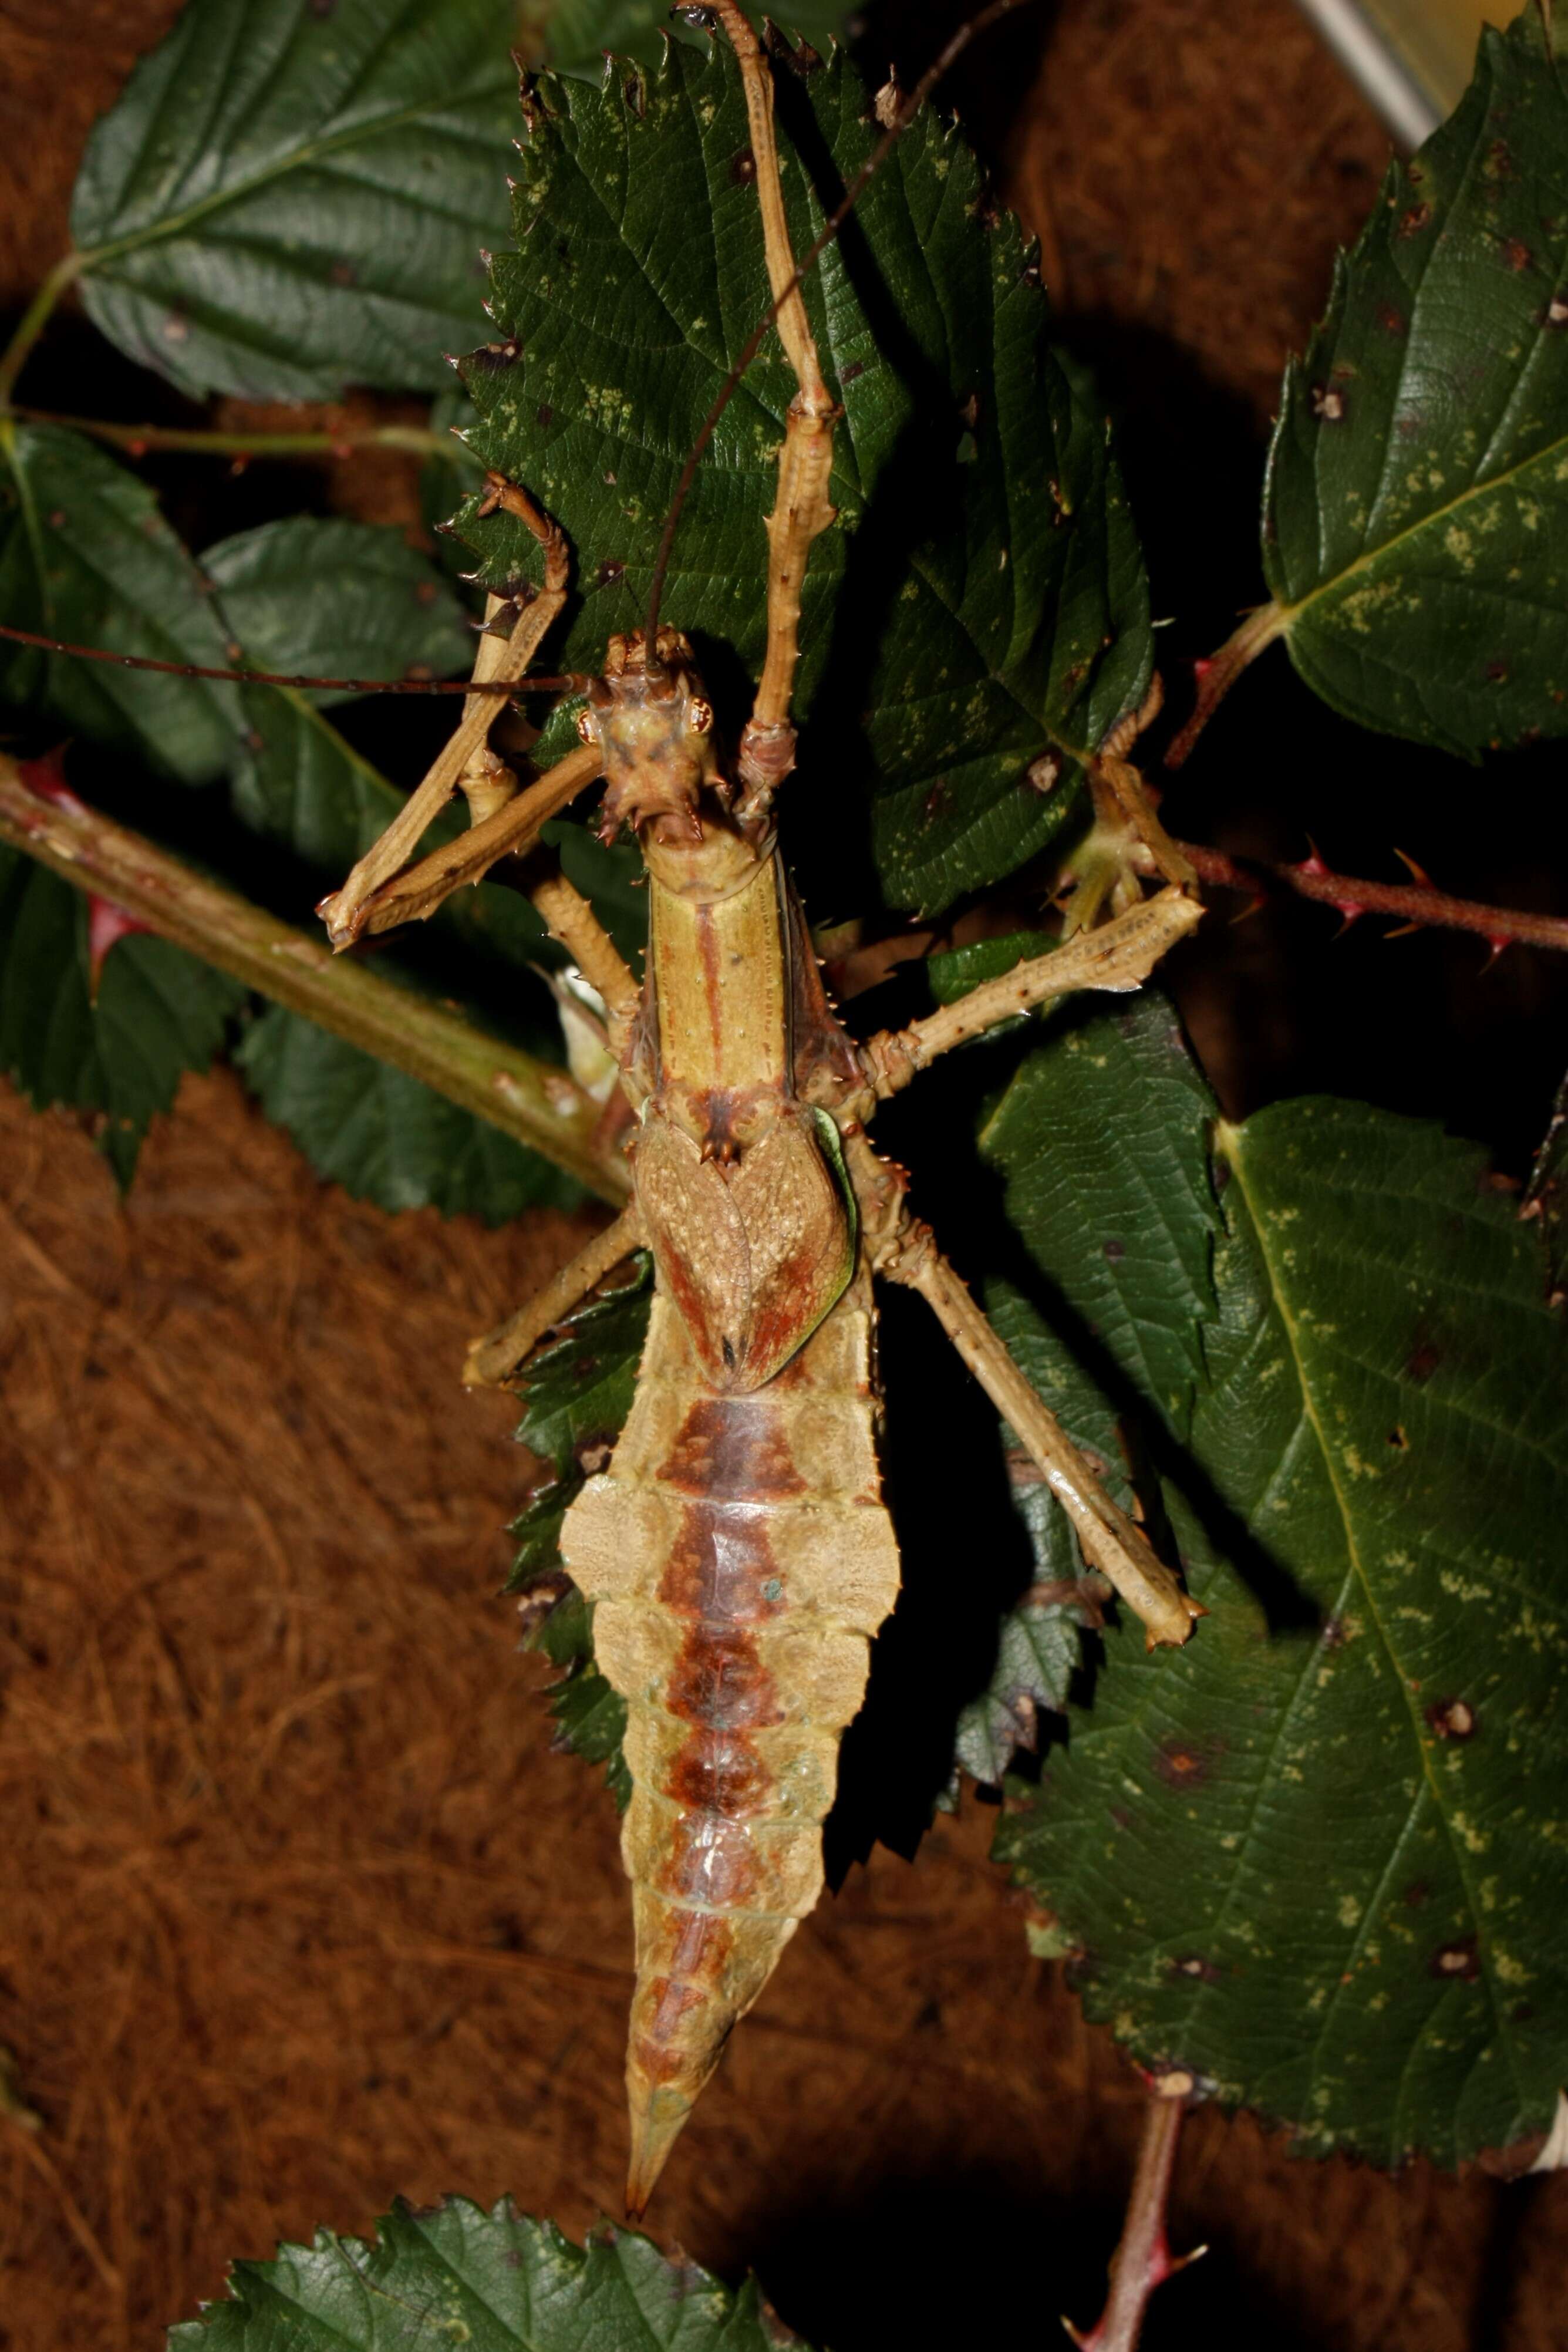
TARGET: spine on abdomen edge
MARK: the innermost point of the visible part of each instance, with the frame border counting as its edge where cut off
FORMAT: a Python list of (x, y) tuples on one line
[(740, 1559)]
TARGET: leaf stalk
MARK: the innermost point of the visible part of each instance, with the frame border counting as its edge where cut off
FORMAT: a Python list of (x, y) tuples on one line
[(33, 319), (1143, 2259)]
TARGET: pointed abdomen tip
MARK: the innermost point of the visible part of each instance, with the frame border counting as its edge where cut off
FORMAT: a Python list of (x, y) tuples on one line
[(658, 2118)]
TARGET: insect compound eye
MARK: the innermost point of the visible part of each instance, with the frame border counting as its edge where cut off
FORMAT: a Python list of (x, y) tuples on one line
[(699, 715), (588, 731)]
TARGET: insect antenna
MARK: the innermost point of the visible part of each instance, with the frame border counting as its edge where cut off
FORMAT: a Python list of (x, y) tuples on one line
[(909, 108), (572, 683)]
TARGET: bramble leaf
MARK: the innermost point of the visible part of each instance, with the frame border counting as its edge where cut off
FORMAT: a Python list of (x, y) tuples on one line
[(1315, 1856), (496, 2282), (382, 1135), (159, 1012), (1546, 1196), (86, 555), (285, 201), (577, 1394), (1416, 521), (982, 594)]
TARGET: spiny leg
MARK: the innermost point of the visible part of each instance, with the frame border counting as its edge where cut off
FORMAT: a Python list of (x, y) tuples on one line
[(1119, 956), (515, 826), (801, 509), (578, 928), (465, 762), (491, 1360), (904, 1250)]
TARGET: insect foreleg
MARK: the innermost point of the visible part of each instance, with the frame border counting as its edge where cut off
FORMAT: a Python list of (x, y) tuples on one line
[(465, 762), (491, 1360), (1120, 955), (515, 826), (801, 509)]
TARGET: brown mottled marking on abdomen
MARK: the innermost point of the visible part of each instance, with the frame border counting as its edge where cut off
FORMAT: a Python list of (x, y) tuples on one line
[(740, 1559)]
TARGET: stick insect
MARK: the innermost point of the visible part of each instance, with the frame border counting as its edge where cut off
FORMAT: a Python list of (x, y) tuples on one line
[(736, 1548)]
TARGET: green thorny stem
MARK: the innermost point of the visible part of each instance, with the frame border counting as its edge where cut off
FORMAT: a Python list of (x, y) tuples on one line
[(532, 1101)]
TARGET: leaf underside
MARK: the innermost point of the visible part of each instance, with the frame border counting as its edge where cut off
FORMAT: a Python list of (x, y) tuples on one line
[(981, 594), (1416, 518), (496, 2282)]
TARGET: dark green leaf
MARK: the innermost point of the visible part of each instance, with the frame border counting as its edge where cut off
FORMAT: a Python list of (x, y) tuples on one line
[(955, 972), (384, 1136), (982, 595), (577, 33), (1101, 1137), (578, 1394), (286, 200), (86, 555), (347, 601), (579, 1390), (159, 1012), (1318, 1855), (1415, 525), (492, 2282)]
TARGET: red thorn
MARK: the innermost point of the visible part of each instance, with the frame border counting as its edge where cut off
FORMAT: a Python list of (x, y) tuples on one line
[(107, 925), (1496, 942), (137, 448), (45, 778), (1420, 872), (1313, 865), (1202, 666)]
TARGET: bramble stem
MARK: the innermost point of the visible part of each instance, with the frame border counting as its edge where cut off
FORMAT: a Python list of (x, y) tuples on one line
[(204, 442), (1143, 2258), (1418, 903), (33, 319), (535, 1103)]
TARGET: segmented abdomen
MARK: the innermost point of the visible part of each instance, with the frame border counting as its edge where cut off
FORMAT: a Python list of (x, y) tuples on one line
[(740, 1558)]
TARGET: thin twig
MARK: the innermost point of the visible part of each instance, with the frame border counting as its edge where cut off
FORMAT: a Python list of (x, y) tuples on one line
[(1417, 904), (532, 1101), (202, 441)]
